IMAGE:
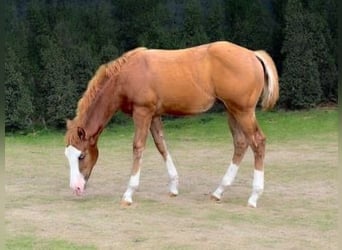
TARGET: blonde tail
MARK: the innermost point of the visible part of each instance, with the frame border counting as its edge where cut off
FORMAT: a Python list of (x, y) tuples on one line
[(271, 87)]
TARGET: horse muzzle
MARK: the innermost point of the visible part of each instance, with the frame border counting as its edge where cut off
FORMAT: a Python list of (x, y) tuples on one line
[(78, 186)]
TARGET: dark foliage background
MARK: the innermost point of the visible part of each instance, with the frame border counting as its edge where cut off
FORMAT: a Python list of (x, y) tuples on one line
[(53, 47)]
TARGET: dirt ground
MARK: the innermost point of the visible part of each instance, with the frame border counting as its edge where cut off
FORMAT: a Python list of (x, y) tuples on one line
[(298, 209)]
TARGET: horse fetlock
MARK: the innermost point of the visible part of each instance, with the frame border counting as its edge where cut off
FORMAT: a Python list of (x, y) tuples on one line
[(173, 186), (215, 197), (253, 199), (126, 202), (230, 175), (127, 197), (217, 194)]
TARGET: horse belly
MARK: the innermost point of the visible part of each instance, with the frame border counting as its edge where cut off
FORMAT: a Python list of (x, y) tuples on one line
[(185, 101)]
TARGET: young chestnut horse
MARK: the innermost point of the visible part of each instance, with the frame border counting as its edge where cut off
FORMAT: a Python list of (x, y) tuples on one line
[(149, 83)]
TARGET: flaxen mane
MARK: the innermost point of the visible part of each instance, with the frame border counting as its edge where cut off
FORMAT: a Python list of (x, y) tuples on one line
[(104, 72)]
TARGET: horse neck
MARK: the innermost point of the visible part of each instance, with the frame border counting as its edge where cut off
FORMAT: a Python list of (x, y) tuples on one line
[(105, 105)]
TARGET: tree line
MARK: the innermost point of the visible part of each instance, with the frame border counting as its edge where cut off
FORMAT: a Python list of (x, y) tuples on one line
[(53, 47)]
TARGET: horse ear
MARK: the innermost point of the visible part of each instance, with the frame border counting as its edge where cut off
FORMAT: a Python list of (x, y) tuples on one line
[(81, 133)]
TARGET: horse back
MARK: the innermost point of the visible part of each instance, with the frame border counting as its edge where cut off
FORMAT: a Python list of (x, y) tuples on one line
[(188, 81)]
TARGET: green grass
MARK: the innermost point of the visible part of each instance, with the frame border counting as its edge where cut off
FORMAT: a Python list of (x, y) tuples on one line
[(31, 242), (279, 127), (299, 125)]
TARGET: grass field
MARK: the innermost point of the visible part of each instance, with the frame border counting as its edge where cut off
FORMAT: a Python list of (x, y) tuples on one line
[(298, 209)]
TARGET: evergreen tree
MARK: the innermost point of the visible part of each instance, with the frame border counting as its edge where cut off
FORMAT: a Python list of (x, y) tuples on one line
[(215, 22), (108, 53), (99, 24), (154, 35), (174, 24), (84, 64), (251, 24), (54, 47), (300, 85), (18, 100), (59, 103), (193, 30), (322, 40), (38, 37), (136, 19), (278, 10)]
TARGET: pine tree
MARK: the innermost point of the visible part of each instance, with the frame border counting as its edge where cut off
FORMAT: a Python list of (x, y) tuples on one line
[(300, 84), (59, 103), (136, 22), (322, 40), (193, 29), (155, 35), (38, 36), (251, 24), (84, 63), (18, 99), (215, 21)]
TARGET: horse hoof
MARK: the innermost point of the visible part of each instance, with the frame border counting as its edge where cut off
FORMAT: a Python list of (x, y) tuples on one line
[(215, 198), (125, 204), (173, 194), (251, 205)]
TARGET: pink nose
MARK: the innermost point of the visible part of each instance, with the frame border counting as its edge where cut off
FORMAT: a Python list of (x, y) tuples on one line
[(78, 191), (78, 187)]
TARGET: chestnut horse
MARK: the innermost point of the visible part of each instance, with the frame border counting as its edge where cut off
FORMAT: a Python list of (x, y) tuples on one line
[(147, 83)]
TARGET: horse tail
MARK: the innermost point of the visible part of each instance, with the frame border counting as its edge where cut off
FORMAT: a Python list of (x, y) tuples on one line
[(271, 86)]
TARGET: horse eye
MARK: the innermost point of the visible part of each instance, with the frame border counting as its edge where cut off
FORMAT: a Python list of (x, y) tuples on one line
[(81, 157)]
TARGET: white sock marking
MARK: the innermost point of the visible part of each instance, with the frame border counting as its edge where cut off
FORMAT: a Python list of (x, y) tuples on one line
[(173, 175), (227, 180), (133, 185), (258, 188)]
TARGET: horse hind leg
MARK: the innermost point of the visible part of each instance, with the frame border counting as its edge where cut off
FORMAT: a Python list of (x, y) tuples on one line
[(240, 147), (257, 141), (158, 137), (258, 144)]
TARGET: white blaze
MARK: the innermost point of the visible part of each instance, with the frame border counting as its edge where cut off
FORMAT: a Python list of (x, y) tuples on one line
[(77, 181)]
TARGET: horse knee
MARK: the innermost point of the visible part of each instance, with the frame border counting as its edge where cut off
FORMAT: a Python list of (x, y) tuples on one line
[(137, 149), (258, 142), (241, 144), (261, 138)]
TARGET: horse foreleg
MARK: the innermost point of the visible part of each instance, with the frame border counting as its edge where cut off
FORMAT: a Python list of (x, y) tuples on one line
[(142, 122), (240, 147), (158, 137)]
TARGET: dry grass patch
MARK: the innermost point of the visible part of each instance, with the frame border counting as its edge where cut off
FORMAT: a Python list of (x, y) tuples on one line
[(298, 209)]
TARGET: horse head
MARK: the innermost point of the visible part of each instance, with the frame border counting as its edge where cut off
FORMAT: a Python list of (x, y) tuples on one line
[(82, 153)]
